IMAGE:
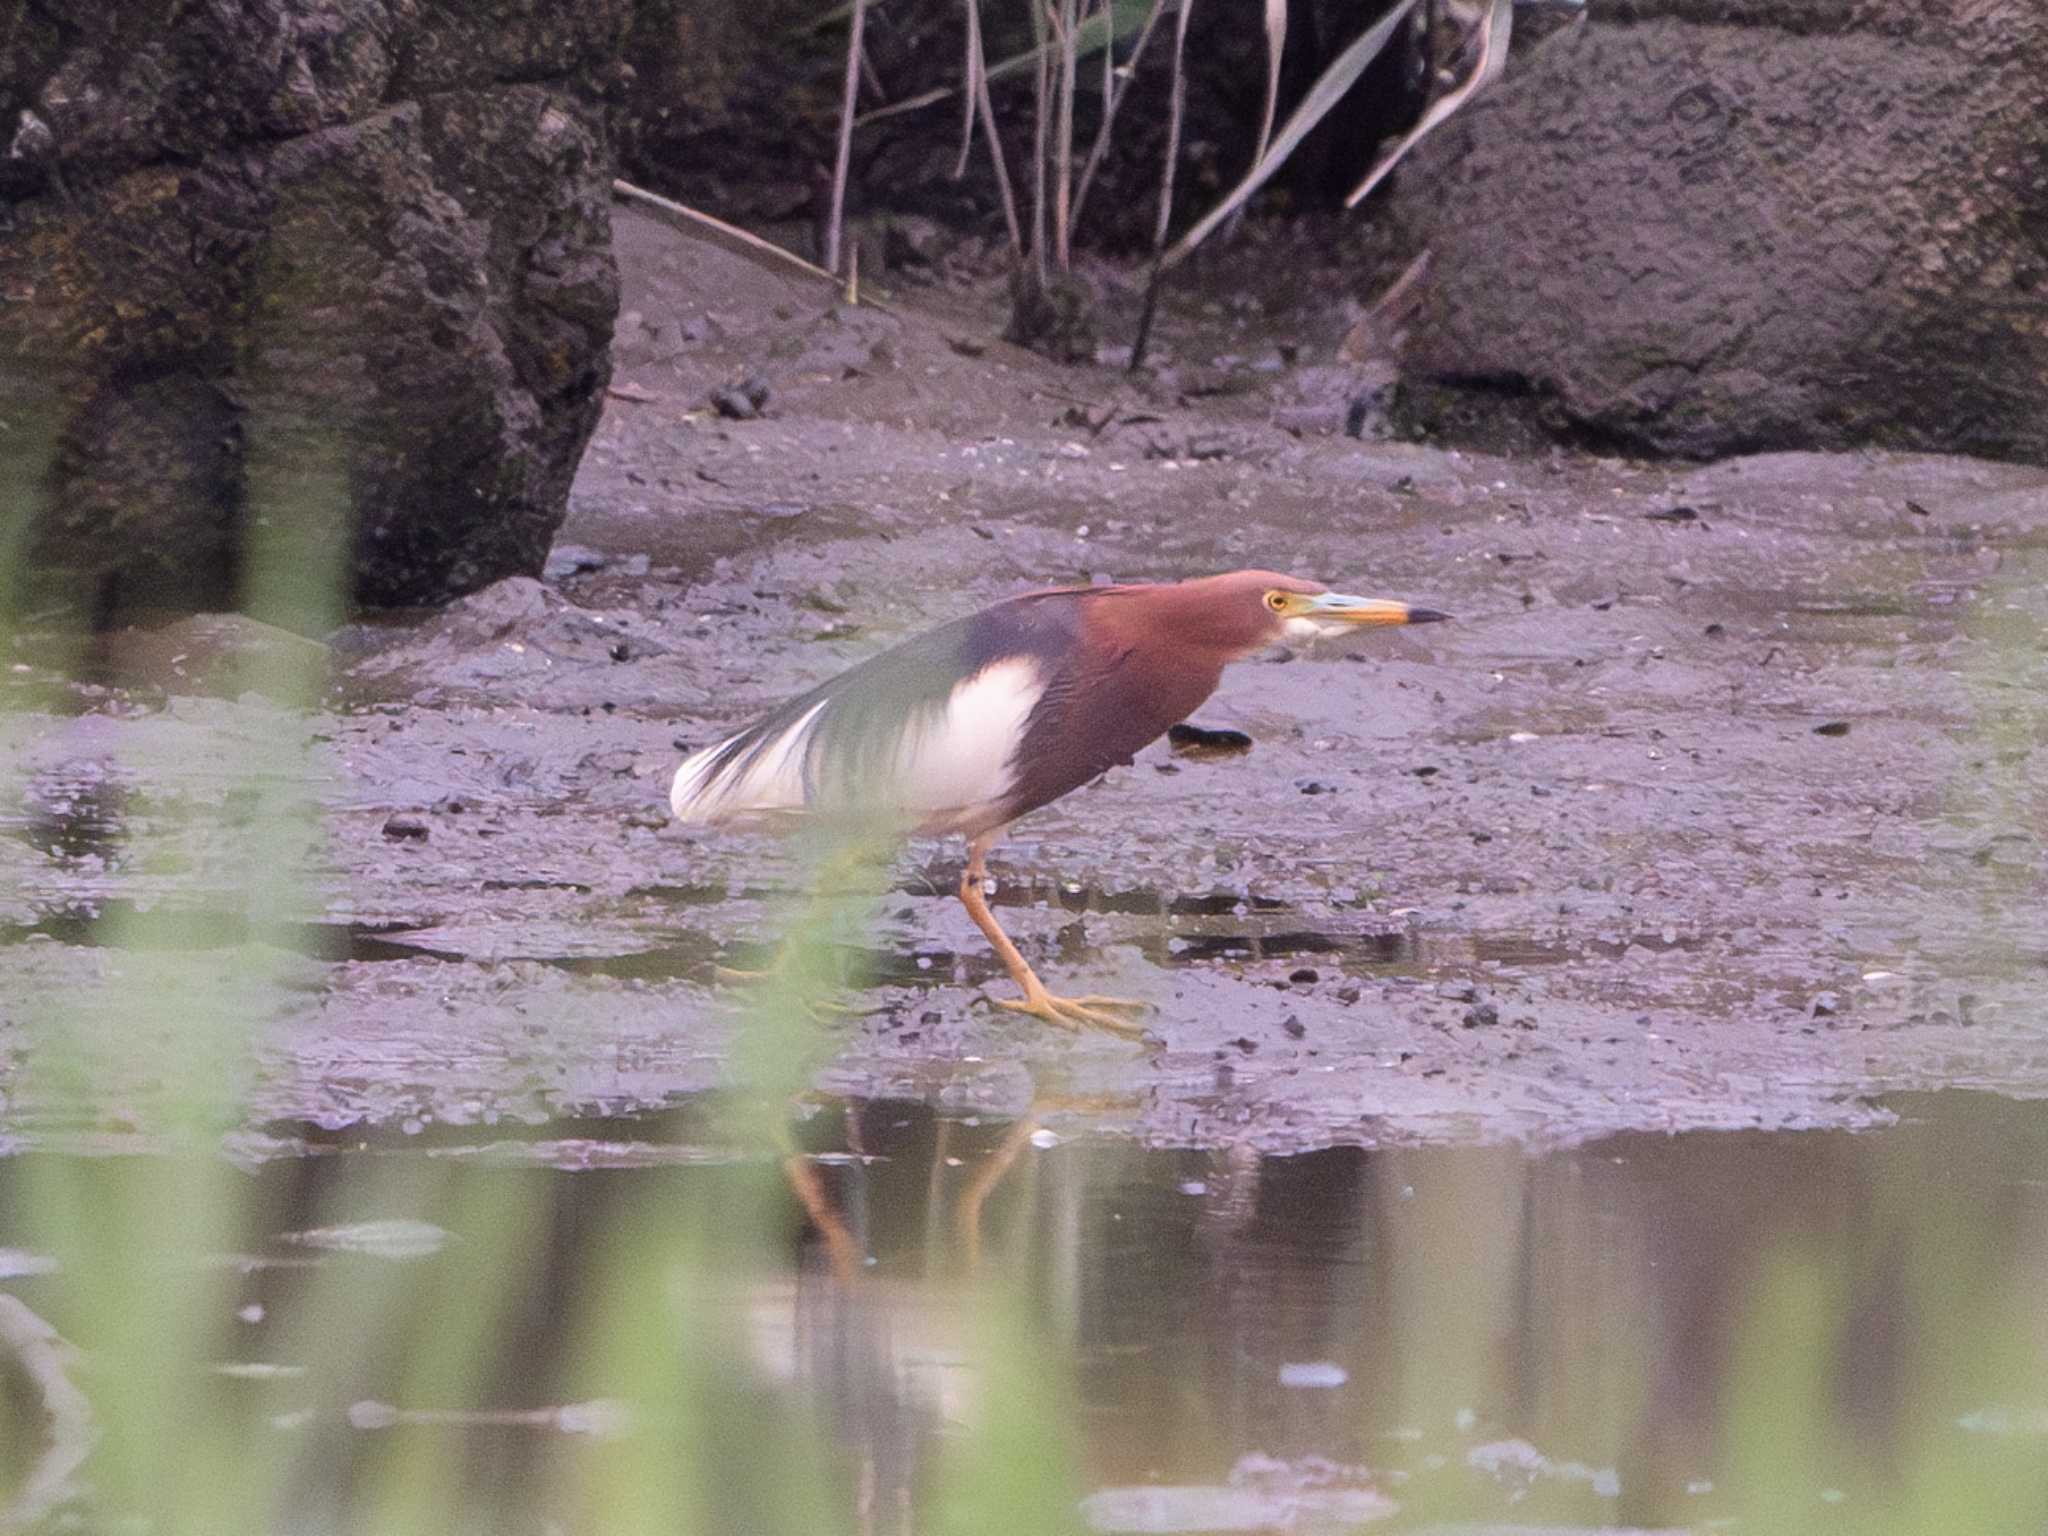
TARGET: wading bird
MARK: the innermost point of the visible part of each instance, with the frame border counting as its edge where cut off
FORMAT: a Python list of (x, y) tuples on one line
[(968, 726)]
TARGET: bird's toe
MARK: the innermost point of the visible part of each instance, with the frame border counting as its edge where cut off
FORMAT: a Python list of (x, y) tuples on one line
[(1074, 1012)]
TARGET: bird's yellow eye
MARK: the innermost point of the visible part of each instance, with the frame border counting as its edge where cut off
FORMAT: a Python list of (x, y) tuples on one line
[(1277, 601)]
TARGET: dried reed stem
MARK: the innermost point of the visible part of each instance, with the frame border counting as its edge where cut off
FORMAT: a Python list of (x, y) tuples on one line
[(835, 226), (1067, 22), (970, 72), (1175, 111), (1039, 150), (1113, 93)]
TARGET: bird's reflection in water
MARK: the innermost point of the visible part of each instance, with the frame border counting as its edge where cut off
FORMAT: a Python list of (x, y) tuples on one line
[(1474, 1334)]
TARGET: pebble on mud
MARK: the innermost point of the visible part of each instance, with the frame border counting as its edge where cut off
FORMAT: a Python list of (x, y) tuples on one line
[(1199, 742), (1482, 1017), (743, 401), (406, 827), (1825, 1005), (1832, 728)]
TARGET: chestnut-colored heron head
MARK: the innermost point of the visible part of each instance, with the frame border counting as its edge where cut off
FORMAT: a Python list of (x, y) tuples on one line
[(1245, 611)]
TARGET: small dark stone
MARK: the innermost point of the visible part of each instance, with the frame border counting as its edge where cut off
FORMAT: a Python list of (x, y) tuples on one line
[(755, 388), (566, 560), (1716, 631), (1426, 771), (406, 827), (1674, 515), (1355, 416), (1294, 1028), (733, 404), (447, 805), (620, 651), (1246, 1044), (1482, 1017), (1189, 740), (1348, 995), (1832, 728), (1303, 976), (1825, 1005), (1315, 786)]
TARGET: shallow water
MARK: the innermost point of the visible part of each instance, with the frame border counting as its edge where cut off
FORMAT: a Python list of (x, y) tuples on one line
[(1620, 1335)]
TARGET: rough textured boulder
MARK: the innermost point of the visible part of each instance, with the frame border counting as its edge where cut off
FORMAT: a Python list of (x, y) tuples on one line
[(339, 261), (1703, 226)]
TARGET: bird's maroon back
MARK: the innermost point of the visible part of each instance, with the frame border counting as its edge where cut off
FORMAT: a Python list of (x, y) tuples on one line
[(1127, 672)]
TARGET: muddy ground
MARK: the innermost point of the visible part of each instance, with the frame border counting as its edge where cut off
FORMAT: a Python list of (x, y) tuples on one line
[(1714, 808)]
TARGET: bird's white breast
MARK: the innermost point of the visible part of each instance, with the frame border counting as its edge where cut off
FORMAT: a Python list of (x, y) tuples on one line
[(957, 761)]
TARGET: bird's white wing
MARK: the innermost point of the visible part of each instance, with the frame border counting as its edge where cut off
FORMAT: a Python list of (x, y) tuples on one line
[(937, 764), (737, 779)]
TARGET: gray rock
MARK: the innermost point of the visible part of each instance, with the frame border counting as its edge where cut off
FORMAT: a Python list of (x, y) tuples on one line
[(307, 263), (1729, 224)]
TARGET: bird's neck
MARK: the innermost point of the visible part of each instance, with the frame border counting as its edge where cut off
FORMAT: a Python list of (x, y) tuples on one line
[(1174, 644), (1186, 621)]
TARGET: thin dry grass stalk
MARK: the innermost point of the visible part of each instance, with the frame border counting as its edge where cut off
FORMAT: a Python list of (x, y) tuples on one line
[(1065, 21), (1276, 44), (1116, 85), (1177, 102), (1492, 57), (1177, 105), (731, 236), (835, 226), (1337, 78), (986, 109), (1040, 148), (970, 98), (917, 103)]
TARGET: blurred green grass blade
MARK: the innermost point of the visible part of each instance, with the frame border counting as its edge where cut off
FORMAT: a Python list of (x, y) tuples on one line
[(1776, 1411), (457, 1335), (1014, 1473)]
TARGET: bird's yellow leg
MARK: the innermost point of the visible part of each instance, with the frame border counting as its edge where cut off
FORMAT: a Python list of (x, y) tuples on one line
[(1068, 1012)]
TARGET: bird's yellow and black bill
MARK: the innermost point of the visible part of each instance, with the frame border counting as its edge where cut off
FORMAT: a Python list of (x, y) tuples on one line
[(1362, 611)]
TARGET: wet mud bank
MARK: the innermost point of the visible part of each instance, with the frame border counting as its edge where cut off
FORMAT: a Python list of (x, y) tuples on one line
[(1715, 808)]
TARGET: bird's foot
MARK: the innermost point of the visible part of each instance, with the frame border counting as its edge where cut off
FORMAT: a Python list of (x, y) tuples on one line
[(1089, 1012)]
